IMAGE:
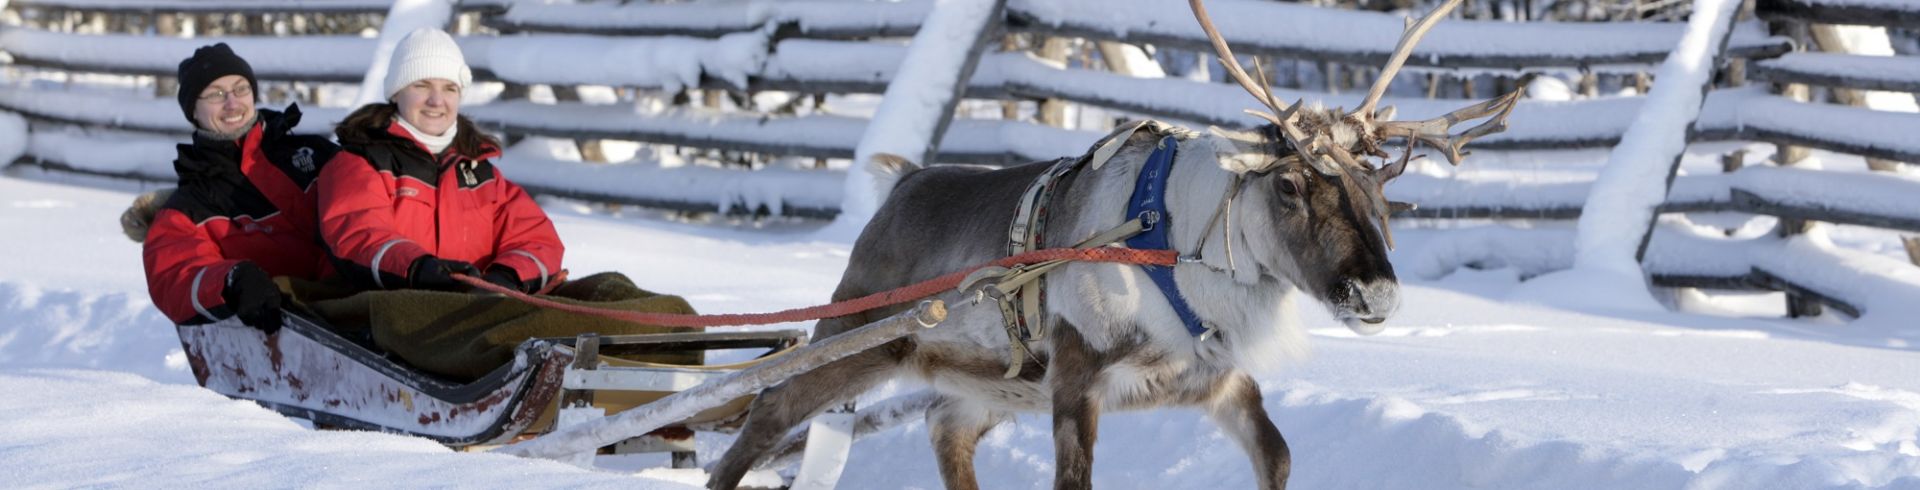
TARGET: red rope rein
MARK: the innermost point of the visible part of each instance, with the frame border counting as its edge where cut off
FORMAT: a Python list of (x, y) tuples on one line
[(912, 292)]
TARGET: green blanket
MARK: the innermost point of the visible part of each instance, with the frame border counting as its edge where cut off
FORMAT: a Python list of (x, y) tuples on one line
[(465, 336)]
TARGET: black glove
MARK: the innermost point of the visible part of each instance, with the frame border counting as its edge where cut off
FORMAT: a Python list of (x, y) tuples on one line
[(505, 277), (253, 297), (435, 273)]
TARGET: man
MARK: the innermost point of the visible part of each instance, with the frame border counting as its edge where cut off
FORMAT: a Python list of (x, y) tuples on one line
[(244, 211)]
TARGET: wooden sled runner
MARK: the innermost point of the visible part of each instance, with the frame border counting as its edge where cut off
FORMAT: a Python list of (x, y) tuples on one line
[(308, 371)]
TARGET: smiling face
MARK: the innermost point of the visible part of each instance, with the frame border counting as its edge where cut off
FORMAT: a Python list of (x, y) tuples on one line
[(431, 105), (225, 106)]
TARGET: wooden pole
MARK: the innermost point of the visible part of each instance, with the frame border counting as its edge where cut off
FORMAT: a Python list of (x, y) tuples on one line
[(678, 406)]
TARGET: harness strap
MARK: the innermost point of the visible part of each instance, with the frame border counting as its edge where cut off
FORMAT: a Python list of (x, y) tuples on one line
[(1149, 205)]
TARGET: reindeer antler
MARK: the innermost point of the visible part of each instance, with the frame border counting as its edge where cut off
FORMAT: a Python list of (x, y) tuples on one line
[(1435, 131), (1333, 159), (1415, 31)]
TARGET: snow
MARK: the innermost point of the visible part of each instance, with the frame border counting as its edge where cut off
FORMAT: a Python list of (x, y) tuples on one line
[(1625, 198), (918, 100), (1464, 389)]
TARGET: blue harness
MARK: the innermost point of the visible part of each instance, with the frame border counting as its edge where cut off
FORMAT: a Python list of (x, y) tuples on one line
[(1149, 204)]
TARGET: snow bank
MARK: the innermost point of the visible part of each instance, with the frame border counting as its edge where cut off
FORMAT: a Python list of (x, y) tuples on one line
[(108, 429)]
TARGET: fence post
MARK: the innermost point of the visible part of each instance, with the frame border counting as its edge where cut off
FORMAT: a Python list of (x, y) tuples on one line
[(919, 102)]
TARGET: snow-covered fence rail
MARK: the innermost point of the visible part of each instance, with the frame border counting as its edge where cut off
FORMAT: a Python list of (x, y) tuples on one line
[(241, 7), (1878, 201), (1889, 73), (301, 58), (1293, 31), (1882, 13)]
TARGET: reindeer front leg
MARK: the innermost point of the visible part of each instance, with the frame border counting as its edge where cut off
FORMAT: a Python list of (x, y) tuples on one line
[(955, 425), (1238, 411), (1076, 411)]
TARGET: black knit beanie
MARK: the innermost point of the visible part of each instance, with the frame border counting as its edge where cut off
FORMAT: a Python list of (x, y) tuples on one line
[(207, 64)]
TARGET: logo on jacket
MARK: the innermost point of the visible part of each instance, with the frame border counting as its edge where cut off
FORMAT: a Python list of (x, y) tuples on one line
[(303, 159), (407, 192)]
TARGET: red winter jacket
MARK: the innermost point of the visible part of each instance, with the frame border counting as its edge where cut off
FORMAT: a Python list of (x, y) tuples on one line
[(385, 202), (246, 200)]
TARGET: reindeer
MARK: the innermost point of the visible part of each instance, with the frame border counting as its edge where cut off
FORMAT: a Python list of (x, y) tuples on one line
[(1257, 217)]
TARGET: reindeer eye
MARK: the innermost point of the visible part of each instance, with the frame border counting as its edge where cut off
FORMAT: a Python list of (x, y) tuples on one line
[(1287, 186)]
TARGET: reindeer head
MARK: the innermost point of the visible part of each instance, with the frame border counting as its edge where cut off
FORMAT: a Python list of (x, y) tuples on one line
[(1307, 170)]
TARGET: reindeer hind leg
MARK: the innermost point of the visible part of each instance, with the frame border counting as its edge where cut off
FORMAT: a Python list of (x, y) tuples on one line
[(780, 408)]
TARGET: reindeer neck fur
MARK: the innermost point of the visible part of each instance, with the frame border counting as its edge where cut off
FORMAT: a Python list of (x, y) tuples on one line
[(1117, 307)]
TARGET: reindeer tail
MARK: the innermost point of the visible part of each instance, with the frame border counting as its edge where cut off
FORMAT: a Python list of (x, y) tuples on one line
[(887, 170)]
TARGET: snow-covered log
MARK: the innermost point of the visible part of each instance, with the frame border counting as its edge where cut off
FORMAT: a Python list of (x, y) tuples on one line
[(1295, 31), (640, 420), (1866, 199), (127, 111), (1883, 13), (1875, 289), (1300, 30), (247, 7), (809, 18), (1889, 73), (303, 58), (691, 188)]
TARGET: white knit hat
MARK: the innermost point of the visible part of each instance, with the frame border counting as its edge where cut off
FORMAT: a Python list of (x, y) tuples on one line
[(426, 53)]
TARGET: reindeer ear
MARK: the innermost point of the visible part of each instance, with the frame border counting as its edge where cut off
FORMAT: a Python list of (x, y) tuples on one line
[(1242, 151)]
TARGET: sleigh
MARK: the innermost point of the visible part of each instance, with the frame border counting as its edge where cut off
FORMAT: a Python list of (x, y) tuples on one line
[(560, 398)]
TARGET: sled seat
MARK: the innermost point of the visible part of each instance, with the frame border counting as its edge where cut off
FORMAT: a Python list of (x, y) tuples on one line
[(310, 371)]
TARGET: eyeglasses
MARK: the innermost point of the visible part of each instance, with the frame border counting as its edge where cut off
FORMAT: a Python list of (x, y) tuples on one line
[(242, 92)]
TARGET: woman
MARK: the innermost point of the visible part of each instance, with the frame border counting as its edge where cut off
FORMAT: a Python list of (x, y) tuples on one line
[(244, 210), (415, 199)]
